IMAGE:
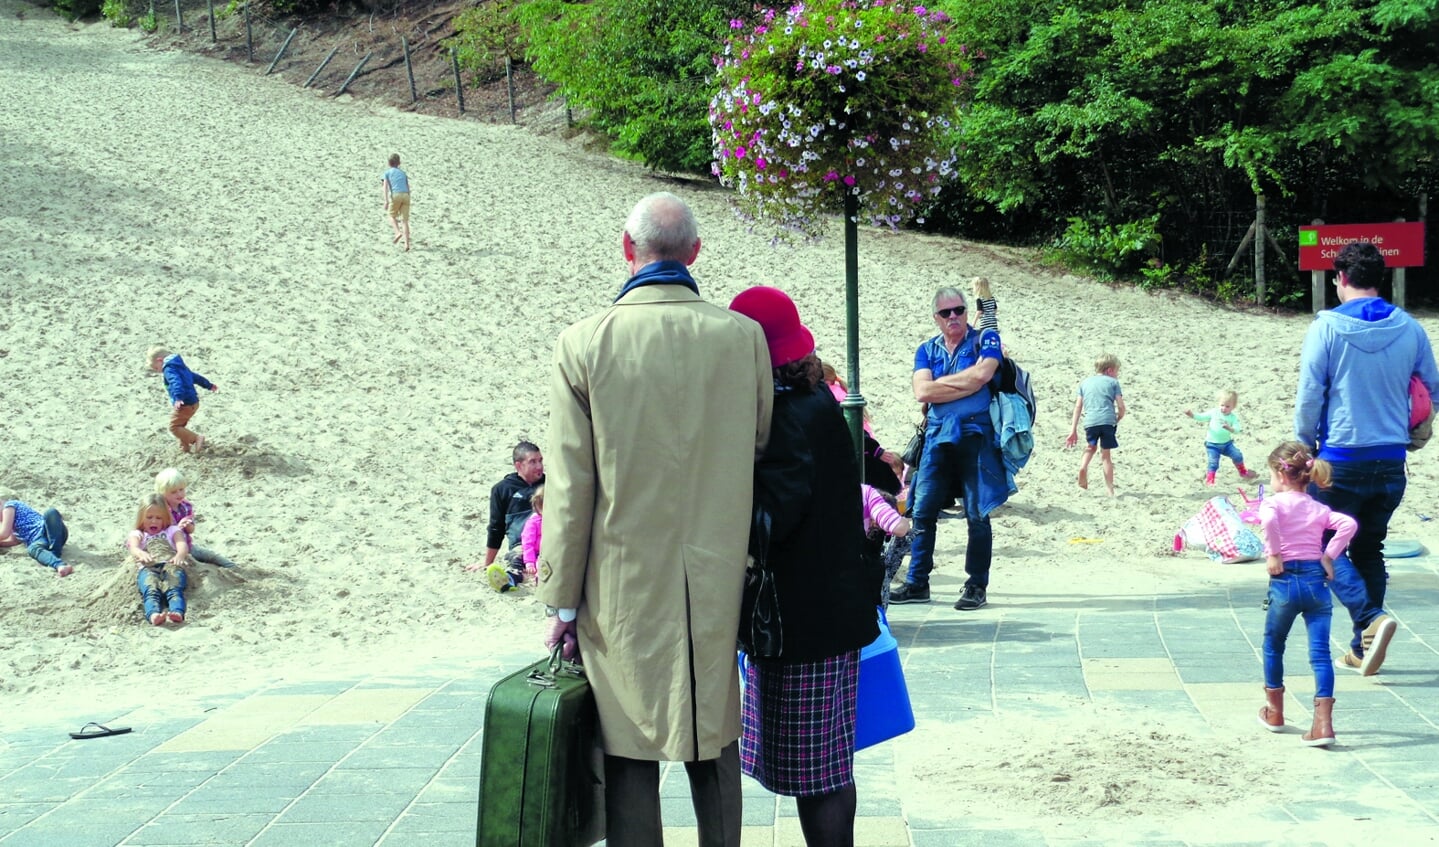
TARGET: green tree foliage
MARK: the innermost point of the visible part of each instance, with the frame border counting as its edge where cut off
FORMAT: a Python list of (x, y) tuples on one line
[(486, 35), (638, 68), (1115, 110)]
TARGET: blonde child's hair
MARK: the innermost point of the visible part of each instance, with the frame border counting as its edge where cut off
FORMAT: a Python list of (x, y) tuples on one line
[(153, 501), (1293, 461), (1105, 362), (170, 479), (832, 376), (537, 499), (156, 352), (1227, 397)]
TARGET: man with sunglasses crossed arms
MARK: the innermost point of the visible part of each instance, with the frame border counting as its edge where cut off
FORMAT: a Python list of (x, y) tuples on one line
[(961, 459)]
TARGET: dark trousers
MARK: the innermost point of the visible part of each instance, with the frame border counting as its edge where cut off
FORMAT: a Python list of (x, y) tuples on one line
[(632, 800)]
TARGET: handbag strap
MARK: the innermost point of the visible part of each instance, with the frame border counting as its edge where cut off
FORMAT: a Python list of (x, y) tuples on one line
[(759, 531)]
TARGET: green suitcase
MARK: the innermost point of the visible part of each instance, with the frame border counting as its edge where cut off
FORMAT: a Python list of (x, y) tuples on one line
[(542, 764)]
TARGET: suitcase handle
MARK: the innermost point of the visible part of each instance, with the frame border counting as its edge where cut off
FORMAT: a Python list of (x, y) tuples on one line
[(558, 665)]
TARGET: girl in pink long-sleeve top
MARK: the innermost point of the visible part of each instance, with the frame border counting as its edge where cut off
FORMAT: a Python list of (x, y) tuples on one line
[(881, 519), (530, 534), (1300, 566)]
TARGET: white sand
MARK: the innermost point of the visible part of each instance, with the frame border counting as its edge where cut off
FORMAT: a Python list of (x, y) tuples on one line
[(369, 397)]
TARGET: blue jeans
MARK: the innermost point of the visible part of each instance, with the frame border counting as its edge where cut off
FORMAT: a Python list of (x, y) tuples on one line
[(1226, 449), (48, 548), (168, 580), (945, 471), (1300, 590), (1368, 492)]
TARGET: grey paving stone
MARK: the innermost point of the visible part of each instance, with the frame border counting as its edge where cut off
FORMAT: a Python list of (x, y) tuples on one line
[(207, 762), (440, 817), (27, 786), (400, 756), (340, 808), (407, 781), (290, 752), (411, 833), (41, 834), (198, 829), (348, 834), (296, 775)]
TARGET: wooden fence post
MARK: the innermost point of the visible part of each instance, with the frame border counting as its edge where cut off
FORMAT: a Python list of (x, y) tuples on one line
[(281, 51), (354, 73), (321, 67), (210, 8), (1316, 280), (459, 86), (249, 35), (409, 70), (1259, 241), (510, 85), (179, 18)]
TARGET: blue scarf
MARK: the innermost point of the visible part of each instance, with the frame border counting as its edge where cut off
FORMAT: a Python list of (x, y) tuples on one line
[(663, 272)]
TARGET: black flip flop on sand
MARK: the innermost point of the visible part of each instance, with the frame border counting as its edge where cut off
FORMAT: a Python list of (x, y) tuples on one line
[(95, 730)]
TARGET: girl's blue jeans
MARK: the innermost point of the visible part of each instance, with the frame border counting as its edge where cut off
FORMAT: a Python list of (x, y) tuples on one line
[(1300, 590), (157, 580), (1227, 449), (48, 549)]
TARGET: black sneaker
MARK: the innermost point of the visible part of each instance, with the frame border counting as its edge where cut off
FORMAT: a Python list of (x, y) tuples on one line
[(972, 598), (909, 593)]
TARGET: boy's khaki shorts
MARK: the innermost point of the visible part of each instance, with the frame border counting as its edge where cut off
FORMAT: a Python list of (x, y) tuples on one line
[(400, 206)]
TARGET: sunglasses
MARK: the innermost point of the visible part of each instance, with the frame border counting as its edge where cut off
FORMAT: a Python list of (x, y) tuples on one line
[(950, 313)]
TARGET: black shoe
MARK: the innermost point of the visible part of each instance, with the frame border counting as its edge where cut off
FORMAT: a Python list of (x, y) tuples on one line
[(909, 593), (972, 598)]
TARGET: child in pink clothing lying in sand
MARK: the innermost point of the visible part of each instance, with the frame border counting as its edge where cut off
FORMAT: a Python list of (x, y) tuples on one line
[(159, 548)]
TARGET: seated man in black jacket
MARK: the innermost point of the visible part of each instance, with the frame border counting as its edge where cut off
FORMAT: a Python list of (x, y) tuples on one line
[(510, 507)]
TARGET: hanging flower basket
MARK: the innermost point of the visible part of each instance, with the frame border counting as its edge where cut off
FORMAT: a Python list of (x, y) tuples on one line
[(836, 97)]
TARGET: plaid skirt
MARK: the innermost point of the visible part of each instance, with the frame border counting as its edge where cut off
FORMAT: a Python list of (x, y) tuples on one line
[(798, 735)]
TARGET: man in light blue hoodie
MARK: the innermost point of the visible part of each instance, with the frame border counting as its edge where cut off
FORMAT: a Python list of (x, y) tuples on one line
[(1353, 405)]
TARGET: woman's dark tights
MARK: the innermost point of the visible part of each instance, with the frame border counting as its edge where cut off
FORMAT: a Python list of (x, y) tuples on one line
[(827, 820)]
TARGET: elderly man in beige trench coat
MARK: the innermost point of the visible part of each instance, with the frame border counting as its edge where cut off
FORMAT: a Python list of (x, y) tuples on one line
[(658, 407)]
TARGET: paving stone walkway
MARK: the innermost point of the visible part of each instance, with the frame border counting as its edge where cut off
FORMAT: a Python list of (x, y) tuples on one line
[(395, 761)]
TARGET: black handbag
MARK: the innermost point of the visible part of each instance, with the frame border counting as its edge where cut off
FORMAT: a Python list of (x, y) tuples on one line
[(914, 450), (761, 634)]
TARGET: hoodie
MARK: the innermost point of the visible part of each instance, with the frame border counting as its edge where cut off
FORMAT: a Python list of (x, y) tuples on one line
[(1354, 380)]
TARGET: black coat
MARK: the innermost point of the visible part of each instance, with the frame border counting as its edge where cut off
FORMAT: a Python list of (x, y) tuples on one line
[(808, 481)]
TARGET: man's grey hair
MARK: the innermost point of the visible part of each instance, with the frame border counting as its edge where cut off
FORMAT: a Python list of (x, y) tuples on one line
[(662, 227), (946, 293)]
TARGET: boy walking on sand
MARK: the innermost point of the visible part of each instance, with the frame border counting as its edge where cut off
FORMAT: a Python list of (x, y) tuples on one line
[(1101, 405), (180, 384), (397, 199)]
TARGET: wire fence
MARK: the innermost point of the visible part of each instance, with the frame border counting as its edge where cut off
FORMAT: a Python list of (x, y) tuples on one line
[(405, 62)]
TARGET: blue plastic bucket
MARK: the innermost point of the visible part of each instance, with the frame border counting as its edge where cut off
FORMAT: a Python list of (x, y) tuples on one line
[(883, 710)]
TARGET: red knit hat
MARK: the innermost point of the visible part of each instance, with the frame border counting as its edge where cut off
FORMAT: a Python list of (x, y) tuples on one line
[(789, 340)]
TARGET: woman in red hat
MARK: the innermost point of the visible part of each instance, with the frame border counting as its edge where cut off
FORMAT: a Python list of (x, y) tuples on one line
[(799, 709)]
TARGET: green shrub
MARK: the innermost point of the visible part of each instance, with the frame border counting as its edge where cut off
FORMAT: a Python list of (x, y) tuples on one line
[(116, 13), (1107, 250), (486, 35)]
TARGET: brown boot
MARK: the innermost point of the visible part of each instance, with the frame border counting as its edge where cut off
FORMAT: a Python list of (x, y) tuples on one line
[(1271, 717), (1321, 734)]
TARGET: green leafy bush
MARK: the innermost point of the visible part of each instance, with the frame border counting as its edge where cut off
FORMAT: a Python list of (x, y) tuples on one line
[(116, 12), (1107, 250), (638, 69), (486, 35)]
